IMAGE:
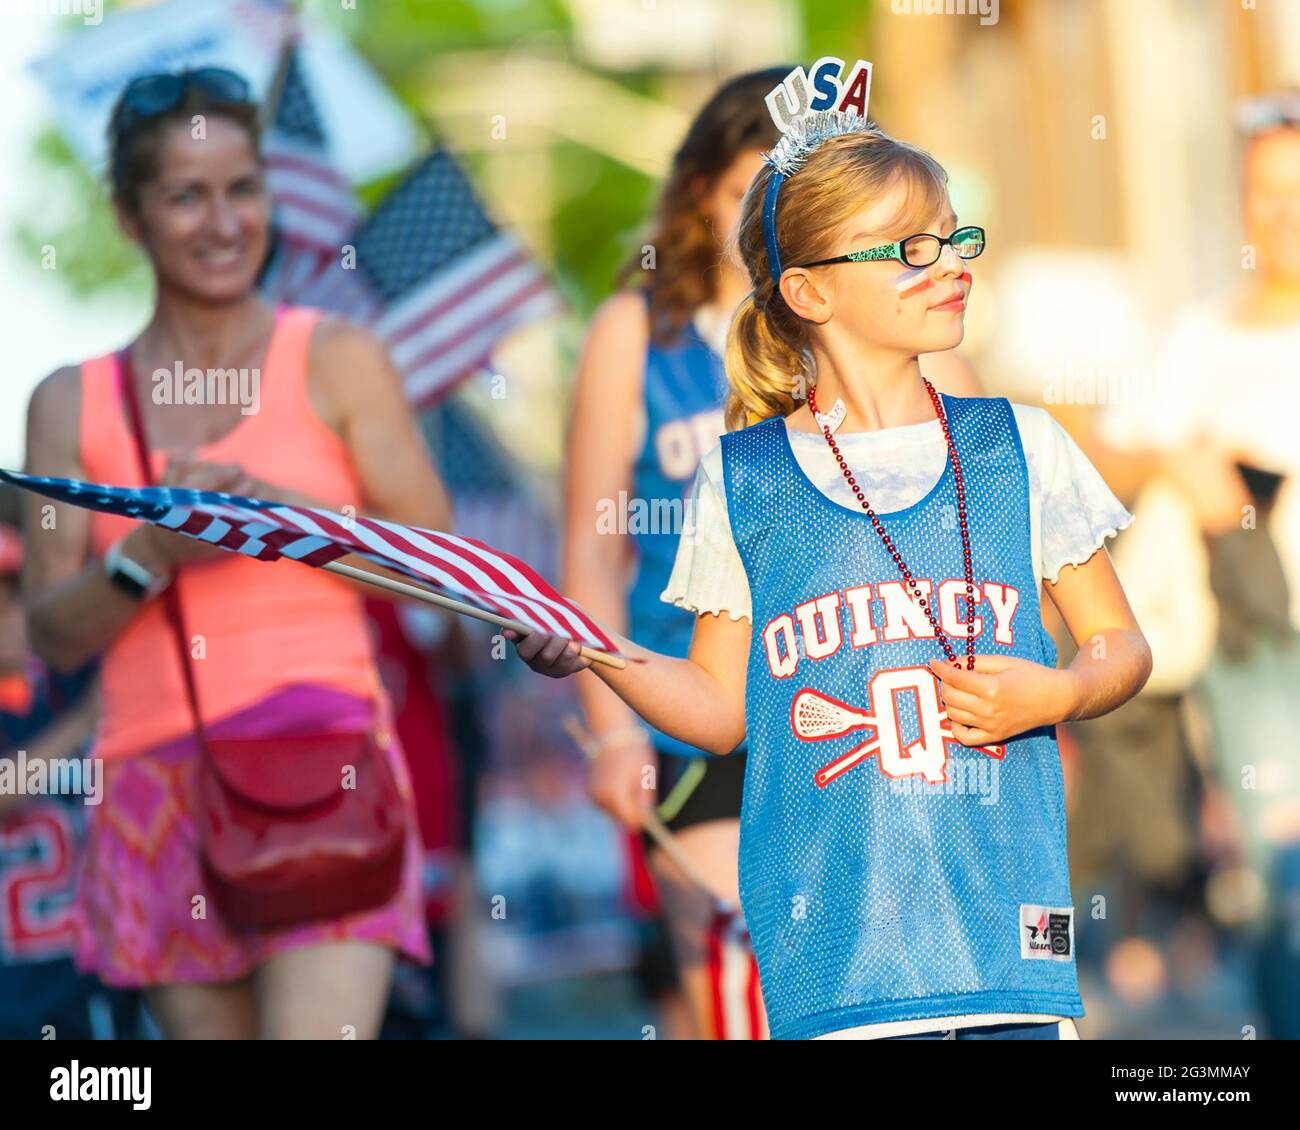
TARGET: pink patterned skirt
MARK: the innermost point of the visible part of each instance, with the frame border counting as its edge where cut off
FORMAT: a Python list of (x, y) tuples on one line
[(141, 867)]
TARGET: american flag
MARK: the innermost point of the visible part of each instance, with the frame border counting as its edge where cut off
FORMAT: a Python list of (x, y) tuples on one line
[(462, 568), (436, 279), (313, 206), (428, 271), (733, 979)]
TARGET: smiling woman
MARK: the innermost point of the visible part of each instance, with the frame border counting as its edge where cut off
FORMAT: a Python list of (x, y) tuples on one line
[(205, 234), (189, 631)]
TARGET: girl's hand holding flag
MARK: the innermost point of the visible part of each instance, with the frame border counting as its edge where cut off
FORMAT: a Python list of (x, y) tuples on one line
[(552, 656)]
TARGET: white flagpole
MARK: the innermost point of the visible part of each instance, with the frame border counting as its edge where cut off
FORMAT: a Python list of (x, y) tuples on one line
[(404, 589)]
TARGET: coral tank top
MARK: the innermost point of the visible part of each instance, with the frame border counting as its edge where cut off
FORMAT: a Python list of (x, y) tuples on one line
[(263, 625)]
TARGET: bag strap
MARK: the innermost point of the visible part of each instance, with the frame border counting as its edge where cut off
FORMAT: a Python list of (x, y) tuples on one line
[(171, 596)]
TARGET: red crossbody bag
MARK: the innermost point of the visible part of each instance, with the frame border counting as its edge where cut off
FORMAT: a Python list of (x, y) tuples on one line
[(292, 828)]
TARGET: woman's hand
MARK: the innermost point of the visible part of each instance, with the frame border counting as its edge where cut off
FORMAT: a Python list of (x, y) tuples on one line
[(1212, 485), (201, 474), (160, 550), (618, 782), (1002, 697), (228, 478), (553, 656)]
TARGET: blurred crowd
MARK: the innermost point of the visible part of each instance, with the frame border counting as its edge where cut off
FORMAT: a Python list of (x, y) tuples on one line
[(1185, 820), (1184, 805)]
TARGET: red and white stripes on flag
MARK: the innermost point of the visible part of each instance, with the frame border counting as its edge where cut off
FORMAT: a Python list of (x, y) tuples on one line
[(315, 211), (448, 326), (341, 290), (428, 270), (314, 205), (314, 217), (467, 570), (733, 979), (460, 567)]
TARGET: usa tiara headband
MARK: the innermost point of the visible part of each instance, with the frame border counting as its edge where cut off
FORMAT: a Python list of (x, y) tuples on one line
[(810, 107)]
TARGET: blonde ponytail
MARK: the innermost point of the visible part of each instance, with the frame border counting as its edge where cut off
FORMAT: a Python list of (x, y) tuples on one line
[(767, 364)]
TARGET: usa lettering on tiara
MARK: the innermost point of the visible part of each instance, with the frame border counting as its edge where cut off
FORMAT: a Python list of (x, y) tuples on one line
[(820, 89), (810, 107)]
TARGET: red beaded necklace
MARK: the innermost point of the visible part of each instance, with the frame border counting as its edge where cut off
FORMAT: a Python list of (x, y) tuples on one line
[(940, 634)]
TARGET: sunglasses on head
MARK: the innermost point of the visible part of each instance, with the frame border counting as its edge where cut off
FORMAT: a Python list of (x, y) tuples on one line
[(147, 96)]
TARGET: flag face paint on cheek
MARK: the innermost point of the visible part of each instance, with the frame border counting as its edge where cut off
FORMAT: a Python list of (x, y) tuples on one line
[(915, 280), (912, 281)]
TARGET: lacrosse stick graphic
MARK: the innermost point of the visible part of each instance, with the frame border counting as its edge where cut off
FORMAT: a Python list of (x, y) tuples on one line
[(818, 717)]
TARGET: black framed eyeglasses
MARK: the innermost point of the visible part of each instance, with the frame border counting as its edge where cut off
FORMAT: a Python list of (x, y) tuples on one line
[(916, 250), (147, 96)]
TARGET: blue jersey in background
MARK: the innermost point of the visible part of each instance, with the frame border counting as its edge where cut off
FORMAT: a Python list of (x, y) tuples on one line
[(683, 394)]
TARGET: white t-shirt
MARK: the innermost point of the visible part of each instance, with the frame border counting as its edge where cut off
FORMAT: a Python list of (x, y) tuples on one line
[(1071, 513), (1236, 387), (1071, 509)]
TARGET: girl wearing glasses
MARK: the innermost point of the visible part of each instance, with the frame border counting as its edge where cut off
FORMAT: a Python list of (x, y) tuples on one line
[(647, 406), (872, 625), (282, 651)]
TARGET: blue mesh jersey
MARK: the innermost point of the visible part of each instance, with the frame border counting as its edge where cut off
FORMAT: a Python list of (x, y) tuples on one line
[(886, 871), (684, 388)]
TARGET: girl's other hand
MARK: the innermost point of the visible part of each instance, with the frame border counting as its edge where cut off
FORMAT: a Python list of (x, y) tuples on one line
[(1002, 697), (618, 782), (552, 656)]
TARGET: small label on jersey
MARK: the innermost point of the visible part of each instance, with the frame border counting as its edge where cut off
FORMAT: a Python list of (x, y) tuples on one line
[(1047, 932)]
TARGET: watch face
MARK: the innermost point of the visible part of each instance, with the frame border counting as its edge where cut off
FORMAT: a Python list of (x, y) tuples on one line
[(127, 583), (126, 575)]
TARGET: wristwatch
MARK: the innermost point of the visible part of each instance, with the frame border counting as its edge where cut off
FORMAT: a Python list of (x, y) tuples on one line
[(130, 576)]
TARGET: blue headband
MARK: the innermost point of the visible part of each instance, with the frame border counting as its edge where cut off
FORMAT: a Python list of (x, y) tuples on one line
[(802, 136), (769, 224)]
